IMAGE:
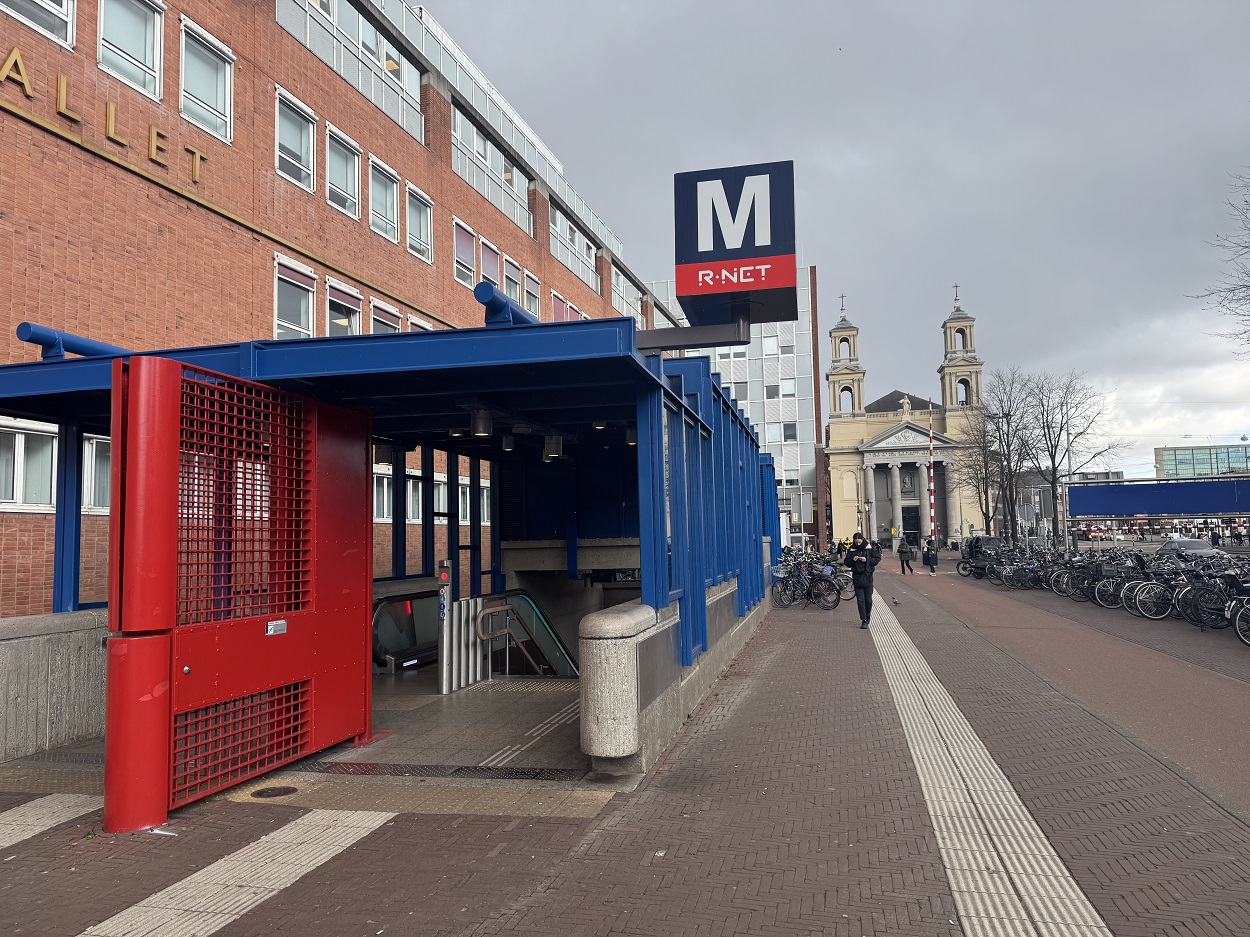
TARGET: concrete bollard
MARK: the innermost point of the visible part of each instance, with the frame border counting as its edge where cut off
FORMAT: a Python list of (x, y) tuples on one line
[(608, 660)]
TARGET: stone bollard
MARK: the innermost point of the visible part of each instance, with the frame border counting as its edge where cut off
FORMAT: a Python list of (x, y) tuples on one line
[(608, 662)]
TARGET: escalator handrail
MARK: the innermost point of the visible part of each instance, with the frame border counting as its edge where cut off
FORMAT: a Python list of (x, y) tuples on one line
[(488, 636), (555, 636)]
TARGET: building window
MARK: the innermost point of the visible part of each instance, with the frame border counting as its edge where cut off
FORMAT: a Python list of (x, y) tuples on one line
[(295, 141), (564, 311), (385, 318), (739, 351), (26, 468), (465, 502), (466, 260), (786, 349), (788, 387), (476, 160), (293, 302), (789, 432), (96, 482), (383, 201), (207, 82), (54, 18), (512, 279), (571, 247), (772, 391), (739, 391), (485, 506), (420, 211), (381, 497), (440, 500), (342, 173), (770, 344), (417, 324), (490, 263), (772, 432), (626, 298), (342, 310), (130, 43), (532, 302)]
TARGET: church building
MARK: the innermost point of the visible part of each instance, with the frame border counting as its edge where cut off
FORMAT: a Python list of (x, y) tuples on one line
[(878, 452)]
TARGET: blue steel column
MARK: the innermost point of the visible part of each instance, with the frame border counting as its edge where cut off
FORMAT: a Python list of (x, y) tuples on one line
[(453, 522), (399, 512), (498, 582), (427, 512), (570, 523), (651, 499), (68, 530), (475, 526)]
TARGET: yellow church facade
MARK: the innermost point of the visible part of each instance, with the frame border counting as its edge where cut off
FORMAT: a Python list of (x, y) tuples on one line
[(877, 452)]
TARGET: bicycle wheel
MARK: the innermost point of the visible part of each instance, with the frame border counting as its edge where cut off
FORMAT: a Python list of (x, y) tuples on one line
[(783, 593), (994, 573), (964, 568), (1206, 603), (825, 594), (1107, 592), (1241, 624), (1080, 583), (846, 588), (1128, 595), (1154, 601)]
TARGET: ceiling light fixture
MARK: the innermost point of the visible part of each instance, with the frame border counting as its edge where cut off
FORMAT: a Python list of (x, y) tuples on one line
[(480, 423), (507, 442), (631, 437), (600, 424), (553, 447)]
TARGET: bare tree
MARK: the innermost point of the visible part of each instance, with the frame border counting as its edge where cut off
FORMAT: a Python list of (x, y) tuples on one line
[(1008, 409), (1232, 295), (1069, 419), (976, 466)]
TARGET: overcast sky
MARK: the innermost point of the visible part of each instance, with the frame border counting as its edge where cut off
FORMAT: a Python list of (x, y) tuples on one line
[(1065, 162)]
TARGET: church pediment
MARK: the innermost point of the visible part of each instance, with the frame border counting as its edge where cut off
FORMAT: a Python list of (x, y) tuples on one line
[(906, 436)]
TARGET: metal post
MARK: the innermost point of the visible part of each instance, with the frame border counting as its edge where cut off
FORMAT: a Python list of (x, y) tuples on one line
[(399, 512), (67, 546), (475, 526), (427, 511), (453, 522), (498, 582)]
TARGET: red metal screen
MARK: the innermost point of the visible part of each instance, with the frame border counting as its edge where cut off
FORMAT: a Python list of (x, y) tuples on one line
[(244, 526), (222, 744)]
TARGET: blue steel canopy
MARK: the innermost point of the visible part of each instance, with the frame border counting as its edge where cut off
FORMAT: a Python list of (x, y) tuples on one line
[(419, 386)]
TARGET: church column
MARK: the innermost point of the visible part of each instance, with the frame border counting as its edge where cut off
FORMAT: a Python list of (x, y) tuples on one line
[(954, 522), (896, 500), (925, 529), (870, 501)]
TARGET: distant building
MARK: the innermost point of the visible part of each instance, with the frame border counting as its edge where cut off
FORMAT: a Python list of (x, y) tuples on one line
[(774, 380), (1097, 477), (1190, 461)]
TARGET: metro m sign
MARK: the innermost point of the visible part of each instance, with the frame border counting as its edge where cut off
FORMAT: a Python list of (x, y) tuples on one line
[(735, 243)]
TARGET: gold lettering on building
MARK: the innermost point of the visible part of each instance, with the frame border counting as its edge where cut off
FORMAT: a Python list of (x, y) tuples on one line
[(62, 100), (110, 124), (14, 69), (156, 145), (196, 158)]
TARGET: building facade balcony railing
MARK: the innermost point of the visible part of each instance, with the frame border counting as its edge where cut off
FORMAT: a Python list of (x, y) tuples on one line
[(506, 199)]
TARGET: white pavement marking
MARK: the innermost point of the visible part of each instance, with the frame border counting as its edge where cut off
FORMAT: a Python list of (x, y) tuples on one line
[(211, 898), (1007, 879), (566, 715), (41, 814)]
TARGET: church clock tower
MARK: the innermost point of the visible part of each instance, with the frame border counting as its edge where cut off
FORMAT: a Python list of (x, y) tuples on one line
[(845, 376), (960, 371)]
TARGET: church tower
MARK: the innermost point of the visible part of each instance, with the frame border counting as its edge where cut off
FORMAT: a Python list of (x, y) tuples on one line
[(961, 368), (845, 376)]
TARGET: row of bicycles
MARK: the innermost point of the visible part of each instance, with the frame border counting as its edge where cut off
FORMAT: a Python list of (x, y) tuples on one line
[(817, 579), (1206, 591)]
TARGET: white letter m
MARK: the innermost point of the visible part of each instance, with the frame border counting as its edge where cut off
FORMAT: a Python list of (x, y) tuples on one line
[(711, 194)]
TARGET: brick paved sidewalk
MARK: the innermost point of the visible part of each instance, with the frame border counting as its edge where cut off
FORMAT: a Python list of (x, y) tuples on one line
[(1154, 855)]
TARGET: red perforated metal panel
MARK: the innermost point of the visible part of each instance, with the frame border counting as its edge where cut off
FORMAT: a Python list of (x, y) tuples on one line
[(243, 500), (222, 744)]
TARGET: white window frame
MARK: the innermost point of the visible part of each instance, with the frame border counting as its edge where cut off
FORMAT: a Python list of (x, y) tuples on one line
[(378, 517), (69, 15), (310, 115), (410, 190), (455, 260), (498, 283), (350, 291), (222, 51), (464, 501), (157, 7), (519, 299), (417, 324), (412, 505), (526, 294), (349, 143), (280, 261), (374, 305), (794, 388), (374, 162), (440, 486), (89, 443), (21, 429)]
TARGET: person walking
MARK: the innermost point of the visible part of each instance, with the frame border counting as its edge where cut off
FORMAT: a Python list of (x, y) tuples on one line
[(862, 558), (904, 558), (930, 556)]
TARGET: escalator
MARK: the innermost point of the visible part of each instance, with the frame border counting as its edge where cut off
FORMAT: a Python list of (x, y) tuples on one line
[(515, 632)]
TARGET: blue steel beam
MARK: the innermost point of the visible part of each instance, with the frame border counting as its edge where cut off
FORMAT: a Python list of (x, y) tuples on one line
[(67, 543)]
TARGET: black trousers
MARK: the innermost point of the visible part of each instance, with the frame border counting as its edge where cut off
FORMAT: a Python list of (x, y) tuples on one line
[(904, 566), (863, 598)]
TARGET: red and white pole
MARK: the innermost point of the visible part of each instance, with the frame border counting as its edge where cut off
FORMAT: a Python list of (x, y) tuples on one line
[(932, 509)]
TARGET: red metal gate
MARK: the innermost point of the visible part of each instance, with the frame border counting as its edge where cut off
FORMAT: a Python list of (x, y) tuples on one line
[(239, 585)]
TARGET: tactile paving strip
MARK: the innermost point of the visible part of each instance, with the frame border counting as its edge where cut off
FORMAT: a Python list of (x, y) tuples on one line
[(1006, 878)]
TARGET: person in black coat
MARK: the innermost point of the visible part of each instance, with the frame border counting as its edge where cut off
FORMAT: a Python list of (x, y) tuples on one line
[(862, 558)]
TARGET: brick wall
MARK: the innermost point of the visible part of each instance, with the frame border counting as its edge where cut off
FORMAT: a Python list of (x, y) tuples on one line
[(100, 239)]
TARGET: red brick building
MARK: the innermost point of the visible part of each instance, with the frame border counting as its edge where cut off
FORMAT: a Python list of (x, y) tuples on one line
[(196, 172)]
